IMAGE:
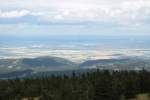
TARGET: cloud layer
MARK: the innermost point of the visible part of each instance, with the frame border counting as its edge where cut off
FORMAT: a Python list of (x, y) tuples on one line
[(124, 13)]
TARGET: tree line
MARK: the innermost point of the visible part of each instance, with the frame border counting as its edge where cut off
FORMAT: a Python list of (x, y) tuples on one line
[(95, 85)]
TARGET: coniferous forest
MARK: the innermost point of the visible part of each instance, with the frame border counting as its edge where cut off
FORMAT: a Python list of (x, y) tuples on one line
[(96, 85)]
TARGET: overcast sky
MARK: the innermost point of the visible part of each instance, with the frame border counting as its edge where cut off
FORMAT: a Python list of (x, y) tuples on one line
[(74, 17)]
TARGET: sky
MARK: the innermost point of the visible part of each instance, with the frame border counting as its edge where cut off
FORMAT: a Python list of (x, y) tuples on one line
[(74, 17)]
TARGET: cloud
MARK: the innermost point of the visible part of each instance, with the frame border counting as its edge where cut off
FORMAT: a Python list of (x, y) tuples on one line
[(124, 12), (21, 16), (13, 14), (75, 16)]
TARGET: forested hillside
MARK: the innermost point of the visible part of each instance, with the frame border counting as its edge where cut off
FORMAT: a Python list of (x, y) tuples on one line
[(97, 85)]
